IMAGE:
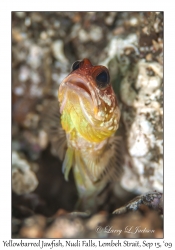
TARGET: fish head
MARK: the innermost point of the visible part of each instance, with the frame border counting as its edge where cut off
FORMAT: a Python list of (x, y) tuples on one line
[(88, 104)]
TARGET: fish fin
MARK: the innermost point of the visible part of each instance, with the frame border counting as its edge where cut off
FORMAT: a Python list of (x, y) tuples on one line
[(108, 165), (67, 163), (51, 123), (114, 168)]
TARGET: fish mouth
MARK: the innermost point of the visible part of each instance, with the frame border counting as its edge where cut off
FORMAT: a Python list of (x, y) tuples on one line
[(77, 83), (81, 86), (85, 91)]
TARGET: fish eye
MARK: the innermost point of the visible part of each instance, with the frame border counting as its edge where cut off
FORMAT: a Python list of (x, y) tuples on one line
[(76, 65), (103, 79)]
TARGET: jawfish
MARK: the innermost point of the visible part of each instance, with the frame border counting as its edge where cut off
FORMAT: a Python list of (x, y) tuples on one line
[(83, 133)]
